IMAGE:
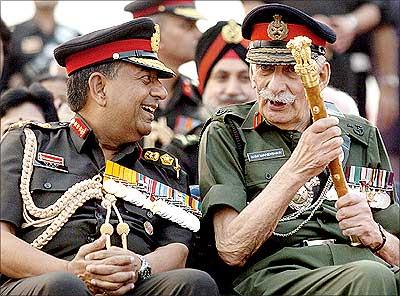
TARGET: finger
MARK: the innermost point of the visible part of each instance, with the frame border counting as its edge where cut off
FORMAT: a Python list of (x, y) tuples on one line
[(323, 124), (347, 212), (350, 223), (118, 277), (104, 269), (97, 245), (105, 285), (350, 199), (123, 290), (102, 254), (115, 260), (333, 132)]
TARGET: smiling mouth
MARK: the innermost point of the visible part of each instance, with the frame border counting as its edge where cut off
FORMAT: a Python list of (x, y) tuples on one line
[(151, 109), (276, 103)]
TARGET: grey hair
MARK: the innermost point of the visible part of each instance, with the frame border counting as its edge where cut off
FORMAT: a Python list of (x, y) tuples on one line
[(77, 83)]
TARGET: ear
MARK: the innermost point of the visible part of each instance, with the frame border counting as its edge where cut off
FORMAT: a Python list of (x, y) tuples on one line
[(252, 82), (324, 75), (97, 82)]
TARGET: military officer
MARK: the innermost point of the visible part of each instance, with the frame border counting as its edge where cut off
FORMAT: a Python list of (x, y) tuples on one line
[(57, 219), (223, 79), (268, 194), (177, 19)]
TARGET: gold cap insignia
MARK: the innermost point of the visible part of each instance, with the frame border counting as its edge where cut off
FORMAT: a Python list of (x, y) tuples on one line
[(231, 32), (277, 30), (167, 159), (155, 39), (150, 155)]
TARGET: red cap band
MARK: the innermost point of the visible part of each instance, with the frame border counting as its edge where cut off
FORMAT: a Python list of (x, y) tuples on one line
[(104, 52), (260, 33), (154, 9), (210, 56)]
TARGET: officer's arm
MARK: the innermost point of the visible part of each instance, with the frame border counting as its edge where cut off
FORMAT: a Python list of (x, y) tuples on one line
[(169, 257), (239, 236), (20, 260)]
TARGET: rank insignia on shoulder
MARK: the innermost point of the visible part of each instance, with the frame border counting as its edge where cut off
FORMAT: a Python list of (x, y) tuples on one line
[(166, 159), (162, 158), (150, 155), (50, 161)]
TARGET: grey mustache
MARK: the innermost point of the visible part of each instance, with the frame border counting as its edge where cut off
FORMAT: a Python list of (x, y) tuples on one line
[(281, 97)]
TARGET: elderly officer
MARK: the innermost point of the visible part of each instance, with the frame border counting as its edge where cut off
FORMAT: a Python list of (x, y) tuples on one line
[(223, 80), (177, 19), (53, 209), (267, 191)]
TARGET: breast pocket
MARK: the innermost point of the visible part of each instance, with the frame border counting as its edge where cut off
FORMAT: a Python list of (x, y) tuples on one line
[(260, 173), (47, 186)]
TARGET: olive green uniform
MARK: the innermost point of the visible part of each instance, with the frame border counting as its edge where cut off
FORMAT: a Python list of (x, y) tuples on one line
[(233, 177)]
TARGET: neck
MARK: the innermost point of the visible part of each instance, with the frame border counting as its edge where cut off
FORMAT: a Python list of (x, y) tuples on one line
[(44, 19), (299, 126)]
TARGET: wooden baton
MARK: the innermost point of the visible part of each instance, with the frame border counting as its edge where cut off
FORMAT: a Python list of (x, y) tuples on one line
[(307, 69)]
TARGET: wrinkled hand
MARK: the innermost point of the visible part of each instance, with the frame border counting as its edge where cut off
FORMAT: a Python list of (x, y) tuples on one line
[(318, 146), (114, 271), (355, 218)]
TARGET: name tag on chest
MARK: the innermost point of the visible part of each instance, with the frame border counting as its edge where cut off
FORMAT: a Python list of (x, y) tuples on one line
[(267, 154)]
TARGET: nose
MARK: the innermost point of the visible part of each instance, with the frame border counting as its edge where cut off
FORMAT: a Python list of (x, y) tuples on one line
[(159, 91), (233, 87), (196, 33), (277, 83)]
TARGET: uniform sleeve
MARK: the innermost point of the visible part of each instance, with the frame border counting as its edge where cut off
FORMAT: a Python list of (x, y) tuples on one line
[(220, 174), (389, 217), (11, 167), (170, 233)]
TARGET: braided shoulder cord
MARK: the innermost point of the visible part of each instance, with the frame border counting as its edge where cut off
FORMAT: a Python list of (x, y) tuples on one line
[(58, 213)]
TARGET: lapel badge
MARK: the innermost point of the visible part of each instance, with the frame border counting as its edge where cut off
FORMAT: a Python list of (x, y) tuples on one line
[(150, 155), (155, 39), (148, 228), (232, 33), (277, 30), (166, 159)]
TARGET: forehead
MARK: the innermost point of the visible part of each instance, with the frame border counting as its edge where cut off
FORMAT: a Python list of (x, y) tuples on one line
[(132, 69), (230, 65)]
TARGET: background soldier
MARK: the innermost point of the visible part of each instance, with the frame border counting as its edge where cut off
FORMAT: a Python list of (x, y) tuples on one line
[(52, 205), (177, 20), (223, 80), (268, 194)]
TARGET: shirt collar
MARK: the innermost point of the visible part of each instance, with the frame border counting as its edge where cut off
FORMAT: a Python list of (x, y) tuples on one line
[(80, 132)]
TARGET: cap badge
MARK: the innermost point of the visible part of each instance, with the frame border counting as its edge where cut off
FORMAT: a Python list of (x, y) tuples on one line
[(277, 30), (155, 39), (231, 32)]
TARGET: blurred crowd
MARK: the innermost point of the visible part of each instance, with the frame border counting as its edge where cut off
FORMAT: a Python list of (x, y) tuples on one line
[(33, 86)]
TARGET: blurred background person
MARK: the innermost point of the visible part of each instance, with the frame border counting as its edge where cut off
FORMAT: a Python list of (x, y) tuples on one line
[(223, 80), (32, 45), (19, 104), (55, 81), (343, 101), (5, 36), (179, 35)]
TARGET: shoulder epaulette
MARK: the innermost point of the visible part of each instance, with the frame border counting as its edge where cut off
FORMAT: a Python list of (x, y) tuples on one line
[(162, 158), (238, 110), (37, 124), (356, 127)]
